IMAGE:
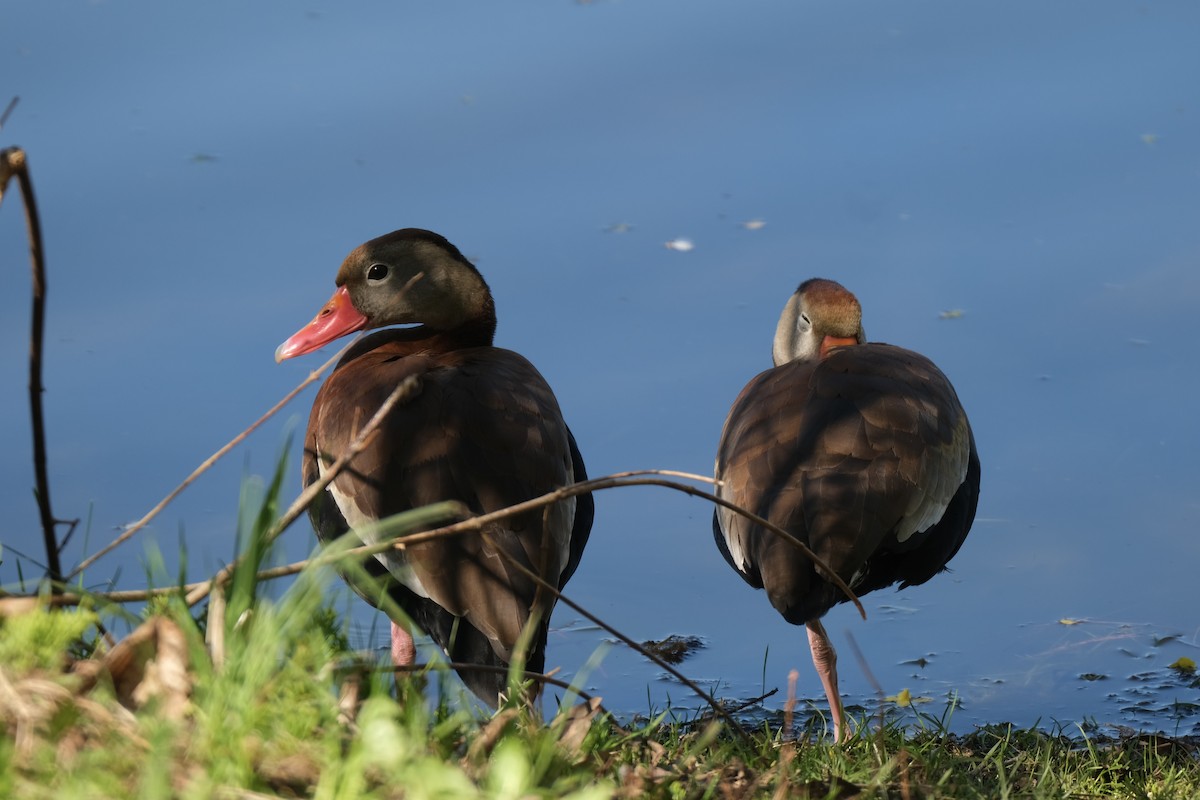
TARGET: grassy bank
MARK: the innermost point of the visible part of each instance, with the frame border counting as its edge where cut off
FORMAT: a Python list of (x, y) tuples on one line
[(251, 696), (279, 714)]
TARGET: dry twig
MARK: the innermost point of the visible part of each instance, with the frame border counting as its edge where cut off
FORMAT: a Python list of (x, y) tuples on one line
[(14, 164), (200, 470), (8, 110), (787, 749), (632, 478), (207, 463), (405, 390), (637, 648)]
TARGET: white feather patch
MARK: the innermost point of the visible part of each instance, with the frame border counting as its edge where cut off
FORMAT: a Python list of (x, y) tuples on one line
[(394, 560)]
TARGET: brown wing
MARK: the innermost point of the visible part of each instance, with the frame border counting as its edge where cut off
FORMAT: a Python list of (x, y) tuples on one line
[(484, 429), (866, 456)]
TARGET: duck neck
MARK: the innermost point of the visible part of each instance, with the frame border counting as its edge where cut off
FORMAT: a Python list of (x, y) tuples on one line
[(477, 331)]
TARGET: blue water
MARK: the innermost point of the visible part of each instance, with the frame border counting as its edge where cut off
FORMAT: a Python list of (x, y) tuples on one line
[(203, 168)]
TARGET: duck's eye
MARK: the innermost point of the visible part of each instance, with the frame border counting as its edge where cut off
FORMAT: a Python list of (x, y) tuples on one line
[(804, 323), (377, 272)]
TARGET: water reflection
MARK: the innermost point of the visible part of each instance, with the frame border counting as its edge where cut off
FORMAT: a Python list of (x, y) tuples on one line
[(202, 171)]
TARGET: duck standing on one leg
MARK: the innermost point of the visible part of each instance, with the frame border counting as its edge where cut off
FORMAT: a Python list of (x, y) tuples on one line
[(482, 428), (860, 450)]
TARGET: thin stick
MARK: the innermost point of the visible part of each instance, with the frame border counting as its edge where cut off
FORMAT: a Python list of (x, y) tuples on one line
[(632, 478), (457, 666), (197, 592), (312, 376), (8, 110), (866, 668), (630, 643), (402, 392), (789, 706), (200, 470), (753, 701), (14, 163), (616, 480), (787, 749), (215, 631)]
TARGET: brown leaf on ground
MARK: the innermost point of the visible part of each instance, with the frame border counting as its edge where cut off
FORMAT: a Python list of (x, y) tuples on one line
[(16, 606), (351, 680), (151, 665), (737, 781), (837, 787), (28, 707), (293, 775), (575, 725), (636, 779), (486, 741)]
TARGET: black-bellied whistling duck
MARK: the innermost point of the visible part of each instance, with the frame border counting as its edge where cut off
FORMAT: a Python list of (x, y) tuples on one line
[(483, 428), (862, 451)]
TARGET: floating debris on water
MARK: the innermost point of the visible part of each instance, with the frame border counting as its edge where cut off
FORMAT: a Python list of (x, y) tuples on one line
[(680, 245), (953, 313), (754, 224), (674, 649), (904, 698), (619, 227), (1183, 664)]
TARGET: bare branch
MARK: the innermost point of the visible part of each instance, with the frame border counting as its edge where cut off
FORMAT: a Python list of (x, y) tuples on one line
[(141, 523), (616, 480), (458, 666), (13, 163), (405, 390), (7, 111), (631, 478), (200, 470), (196, 592), (543, 585)]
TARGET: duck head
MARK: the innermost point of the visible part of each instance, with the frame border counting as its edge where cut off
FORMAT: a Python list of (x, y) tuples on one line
[(410, 276), (818, 317)]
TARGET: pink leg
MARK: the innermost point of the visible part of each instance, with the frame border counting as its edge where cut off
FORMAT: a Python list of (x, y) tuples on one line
[(404, 652), (825, 660)]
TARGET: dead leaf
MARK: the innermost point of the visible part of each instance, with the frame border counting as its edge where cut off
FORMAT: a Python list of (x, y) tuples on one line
[(151, 664), (296, 774), (575, 725), (350, 698), (17, 606), (834, 787), (484, 743)]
